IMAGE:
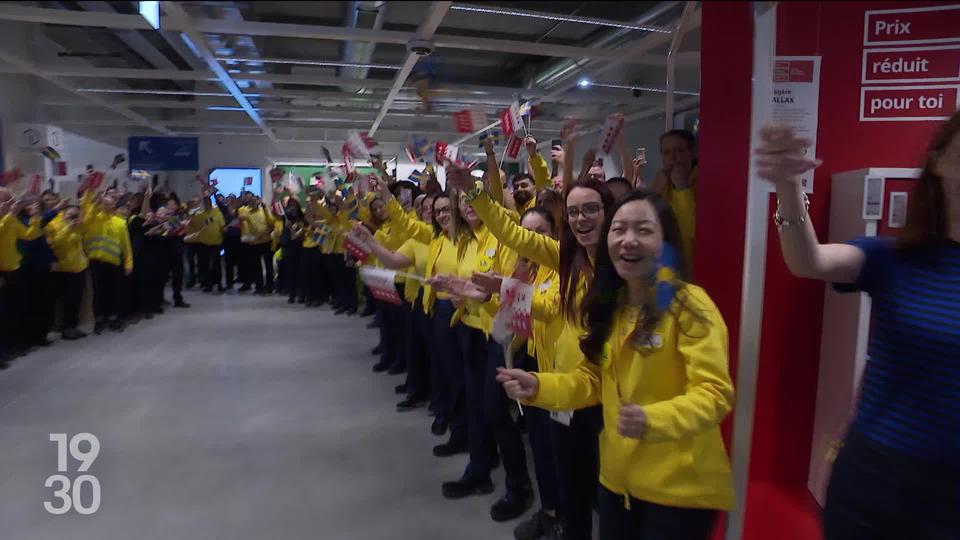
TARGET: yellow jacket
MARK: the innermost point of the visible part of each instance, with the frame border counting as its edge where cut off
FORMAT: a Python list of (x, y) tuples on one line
[(418, 252), (106, 239), (684, 205), (547, 322), (480, 251), (682, 383), (209, 227), (441, 252), (67, 245), (11, 230), (256, 224)]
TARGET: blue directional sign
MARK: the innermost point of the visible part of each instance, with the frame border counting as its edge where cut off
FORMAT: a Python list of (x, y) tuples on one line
[(164, 153)]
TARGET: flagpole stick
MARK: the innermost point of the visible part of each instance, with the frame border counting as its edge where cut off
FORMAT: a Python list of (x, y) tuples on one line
[(508, 362), (504, 154)]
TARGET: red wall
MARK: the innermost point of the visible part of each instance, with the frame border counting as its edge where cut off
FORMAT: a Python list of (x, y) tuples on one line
[(779, 505)]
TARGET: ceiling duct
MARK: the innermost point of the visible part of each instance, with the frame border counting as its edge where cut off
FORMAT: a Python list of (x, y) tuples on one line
[(361, 15), (560, 71)]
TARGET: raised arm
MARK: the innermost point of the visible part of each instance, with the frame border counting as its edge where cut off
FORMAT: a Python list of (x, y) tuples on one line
[(493, 172), (390, 259), (539, 248), (626, 161), (781, 158), (538, 165)]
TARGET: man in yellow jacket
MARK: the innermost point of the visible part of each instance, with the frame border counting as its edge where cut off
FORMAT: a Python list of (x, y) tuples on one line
[(106, 242), (208, 241), (13, 297), (256, 226)]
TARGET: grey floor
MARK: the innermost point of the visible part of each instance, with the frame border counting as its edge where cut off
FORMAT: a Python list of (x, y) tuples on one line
[(241, 418)]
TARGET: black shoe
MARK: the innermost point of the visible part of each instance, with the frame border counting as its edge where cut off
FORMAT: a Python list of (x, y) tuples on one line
[(340, 311), (351, 311), (380, 367), (291, 300), (410, 404), (450, 448), (245, 288), (400, 388), (377, 350), (148, 315), (72, 334), (4, 365), (512, 505), (180, 303), (397, 370), (466, 487), (368, 312), (191, 284), (99, 326), (207, 289), (158, 311), (301, 300), (439, 426), (117, 325), (540, 525), (373, 324)]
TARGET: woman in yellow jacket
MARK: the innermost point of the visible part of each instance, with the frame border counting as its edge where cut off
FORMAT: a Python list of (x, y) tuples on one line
[(572, 257), (656, 350), (14, 300), (676, 182), (70, 269), (412, 256), (440, 237)]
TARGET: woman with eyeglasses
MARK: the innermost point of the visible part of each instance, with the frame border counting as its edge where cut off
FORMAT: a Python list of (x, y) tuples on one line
[(656, 349), (447, 370), (573, 258)]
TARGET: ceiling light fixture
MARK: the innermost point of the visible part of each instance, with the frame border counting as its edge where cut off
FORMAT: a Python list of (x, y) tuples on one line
[(561, 18), (584, 83), (644, 89), (321, 63), (150, 92)]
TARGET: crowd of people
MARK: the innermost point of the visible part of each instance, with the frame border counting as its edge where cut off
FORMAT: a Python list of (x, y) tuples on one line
[(623, 381)]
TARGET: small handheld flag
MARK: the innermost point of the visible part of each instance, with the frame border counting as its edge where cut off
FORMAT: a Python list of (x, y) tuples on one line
[(470, 120), (493, 135)]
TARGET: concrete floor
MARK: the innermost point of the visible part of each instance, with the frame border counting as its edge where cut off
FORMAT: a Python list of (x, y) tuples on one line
[(241, 418)]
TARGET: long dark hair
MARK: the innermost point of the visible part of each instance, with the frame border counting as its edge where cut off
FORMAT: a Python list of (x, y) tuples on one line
[(574, 261), (927, 219), (608, 289)]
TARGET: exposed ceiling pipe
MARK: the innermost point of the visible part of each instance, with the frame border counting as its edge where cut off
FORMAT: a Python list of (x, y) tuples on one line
[(360, 52), (561, 70)]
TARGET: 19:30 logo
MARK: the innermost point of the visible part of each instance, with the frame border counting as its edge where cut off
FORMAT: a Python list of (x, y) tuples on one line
[(72, 494)]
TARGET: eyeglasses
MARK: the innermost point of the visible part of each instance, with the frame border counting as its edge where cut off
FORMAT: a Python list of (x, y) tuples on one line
[(588, 210), (440, 211)]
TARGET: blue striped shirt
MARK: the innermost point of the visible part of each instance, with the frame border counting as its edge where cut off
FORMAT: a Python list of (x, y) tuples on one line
[(910, 394)]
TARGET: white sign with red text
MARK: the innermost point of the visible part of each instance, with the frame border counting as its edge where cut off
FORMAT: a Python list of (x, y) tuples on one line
[(796, 100)]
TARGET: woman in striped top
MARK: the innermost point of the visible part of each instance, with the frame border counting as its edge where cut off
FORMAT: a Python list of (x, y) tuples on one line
[(898, 473)]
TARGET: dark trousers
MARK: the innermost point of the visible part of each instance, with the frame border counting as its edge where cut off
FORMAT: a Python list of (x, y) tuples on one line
[(233, 261), (191, 252), (398, 327), (541, 438), (174, 267), (346, 284), (259, 264), (290, 266), (878, 493), (497, 409), (419, 345), (310, 276), (107, 289), (452, 405), (483, 449), (208, 259), (70, 293), (577, 456), (13, 299), (38, 313), (647, 521)]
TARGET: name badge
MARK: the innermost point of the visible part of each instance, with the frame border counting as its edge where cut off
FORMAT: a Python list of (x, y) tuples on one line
[(491, 252), (564, 417)]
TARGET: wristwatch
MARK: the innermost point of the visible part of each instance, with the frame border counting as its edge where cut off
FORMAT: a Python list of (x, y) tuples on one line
[(475, 192)]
